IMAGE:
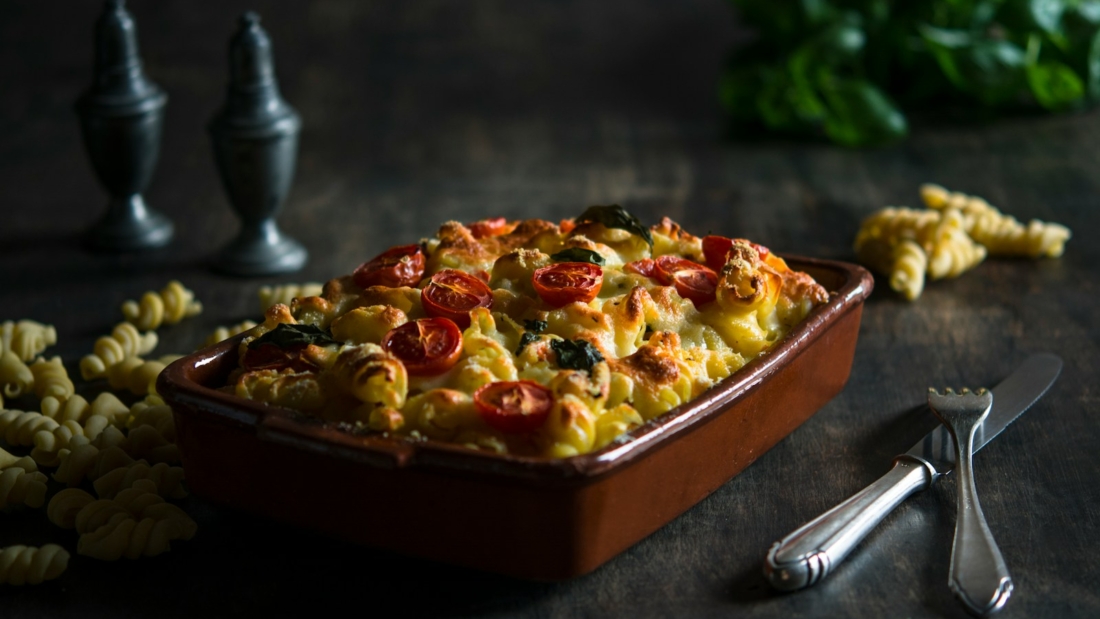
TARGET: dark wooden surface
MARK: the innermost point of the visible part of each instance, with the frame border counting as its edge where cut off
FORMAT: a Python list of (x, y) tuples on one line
[(417, 112)]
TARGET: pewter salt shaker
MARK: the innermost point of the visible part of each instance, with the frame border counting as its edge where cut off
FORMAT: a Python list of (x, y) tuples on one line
[(121, 116), (255, 145)]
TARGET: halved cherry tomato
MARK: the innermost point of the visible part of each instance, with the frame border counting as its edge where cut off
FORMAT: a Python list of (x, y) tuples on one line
[(454, 294), (427, 347), (692, 280), (514, 406), (566, 282), (715, 249), (398, 266), (494, 226), (698, 285), (645, 266), (272, 357), (566, 226)]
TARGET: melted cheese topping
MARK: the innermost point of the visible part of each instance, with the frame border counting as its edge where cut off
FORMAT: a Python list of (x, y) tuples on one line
[(660, 350)]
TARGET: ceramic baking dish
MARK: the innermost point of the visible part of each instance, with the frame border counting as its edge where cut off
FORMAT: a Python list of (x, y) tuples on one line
[(527, 517)]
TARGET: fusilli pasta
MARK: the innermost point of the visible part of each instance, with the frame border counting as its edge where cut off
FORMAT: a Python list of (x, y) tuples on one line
[(224, 333), (15, 376), (20, 486), (168, 480), (26, 338), (51, 379), (285, 293), (124, 342), (28, 565), (19, 427), (171, 305)]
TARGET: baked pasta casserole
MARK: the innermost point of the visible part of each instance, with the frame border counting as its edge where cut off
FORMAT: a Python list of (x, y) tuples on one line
[(529, 337)]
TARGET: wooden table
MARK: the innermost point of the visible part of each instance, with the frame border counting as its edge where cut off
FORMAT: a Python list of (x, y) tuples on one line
[(419, 112)]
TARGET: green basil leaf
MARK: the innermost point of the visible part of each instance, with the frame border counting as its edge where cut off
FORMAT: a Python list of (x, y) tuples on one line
[(288, 336), (537, 326), (615, 216), (1055, 85), (576, 354), (859, 113), (991, 70), (1092, 67), (578, 254), (524, 340), (1027, 15), (534, 328)]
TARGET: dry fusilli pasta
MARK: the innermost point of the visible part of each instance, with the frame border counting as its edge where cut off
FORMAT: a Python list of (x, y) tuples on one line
[(65, 505), (77, 408), (28, 565), (26, 338), (51, 379), (19, 427), (15, 376), (169, 306), (89, 462), (285, 293), (224, 333), (20, 486), (1002, 235), (125, 341), (137, 375), (168, 479)]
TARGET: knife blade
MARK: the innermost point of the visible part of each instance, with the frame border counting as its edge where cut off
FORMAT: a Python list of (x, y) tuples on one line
[(813, 550)]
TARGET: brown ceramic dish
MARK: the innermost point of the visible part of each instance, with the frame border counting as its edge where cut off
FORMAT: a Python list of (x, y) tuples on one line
[(527, 517)]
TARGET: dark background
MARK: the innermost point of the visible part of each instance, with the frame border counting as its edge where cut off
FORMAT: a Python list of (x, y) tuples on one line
[(419, 112)]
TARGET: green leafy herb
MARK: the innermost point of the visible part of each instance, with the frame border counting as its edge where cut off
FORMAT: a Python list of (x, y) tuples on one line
[(576, 354), (534, 328), (578, 254), (615, 216), (843, 69), (288, 336)]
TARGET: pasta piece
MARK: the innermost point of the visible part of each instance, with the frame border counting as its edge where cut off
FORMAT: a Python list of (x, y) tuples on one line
[(285, 293), (51, 379), (28, 565), (19, 427), (224, 333), (137, 522), (26, 338), (125, 341), (169, 306), (168, 480), (49, 443), (89, 462), (15, 376), (158, 416), (137, 375), (19, 486), (907, 271), (1001, 234), (65, 505), (145, 442), (79, 409)]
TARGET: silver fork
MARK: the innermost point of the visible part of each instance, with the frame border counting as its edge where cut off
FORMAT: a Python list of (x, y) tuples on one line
[(978, 573)]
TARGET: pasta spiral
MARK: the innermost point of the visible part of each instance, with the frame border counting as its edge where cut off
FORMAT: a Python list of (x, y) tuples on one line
[(125, 341), (168, 480), (137, 522), (28, 565), (223, 333), (285, 293), (26, 338), (51, 379), (89, 462), (20, 486), (15, 376), (65, 505), (907, 271), (171, 305), (19, 427), (137, 375), (77, 408), (1001, 234), (49, 443)]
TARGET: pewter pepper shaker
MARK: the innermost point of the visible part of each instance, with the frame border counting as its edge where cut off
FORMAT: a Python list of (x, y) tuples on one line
[(255, 145), (121, 116)]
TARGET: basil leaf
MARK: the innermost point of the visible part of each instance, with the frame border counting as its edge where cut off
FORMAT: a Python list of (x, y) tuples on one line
[(615, 216), (534, 328), (860, 114), (288, 336), (576, 354), (1055, 85), (578, 254)]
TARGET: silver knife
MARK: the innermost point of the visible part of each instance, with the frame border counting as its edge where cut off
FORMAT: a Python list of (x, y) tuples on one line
[(813, 550)]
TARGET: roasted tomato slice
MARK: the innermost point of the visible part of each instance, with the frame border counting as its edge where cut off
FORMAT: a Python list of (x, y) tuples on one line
[(514, 406), (645, 266), (692, 280), (715, 249), (494, 226), (427, 347), (566, 282), (272, 357), (398, 266), (454, 294)]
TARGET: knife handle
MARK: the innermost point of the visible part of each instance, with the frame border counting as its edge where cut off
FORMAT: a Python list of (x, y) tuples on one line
[(812, 551)]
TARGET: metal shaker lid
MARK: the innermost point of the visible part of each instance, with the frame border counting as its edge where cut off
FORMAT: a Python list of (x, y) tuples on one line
[(253, 100), (119, 86)]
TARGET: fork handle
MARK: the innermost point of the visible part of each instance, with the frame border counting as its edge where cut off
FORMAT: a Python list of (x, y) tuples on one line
[(812, 551), (979, 576)]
